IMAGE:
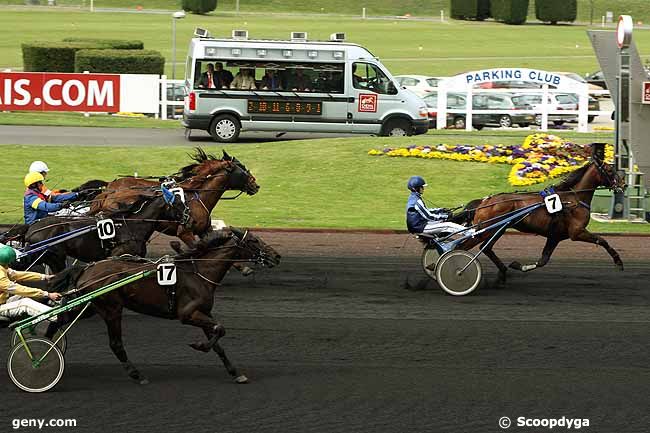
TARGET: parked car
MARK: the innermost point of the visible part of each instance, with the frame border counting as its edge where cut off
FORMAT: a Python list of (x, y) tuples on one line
[(557, 102), (577, 77), (421, 85), (597, 79), (506, 117), (175, 92)]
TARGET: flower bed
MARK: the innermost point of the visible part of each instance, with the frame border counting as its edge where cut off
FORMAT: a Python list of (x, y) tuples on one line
[(539, 158)]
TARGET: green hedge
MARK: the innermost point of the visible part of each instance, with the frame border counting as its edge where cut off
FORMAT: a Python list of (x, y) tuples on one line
[(52, 56), (470, 9), (553, 11), (116, 44), (199, 6), (120, 61), (509, 11)]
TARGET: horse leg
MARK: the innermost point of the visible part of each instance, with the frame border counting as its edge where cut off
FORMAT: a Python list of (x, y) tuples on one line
[(114, 325), (503, 269), (551, 244), (213, 331), (587, 236)]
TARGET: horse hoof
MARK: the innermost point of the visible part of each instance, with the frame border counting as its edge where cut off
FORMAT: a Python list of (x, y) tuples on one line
[(502, 277), (246, 271), (241, 379), (620, 266), (515, 265), (201, 347), (144, 381)]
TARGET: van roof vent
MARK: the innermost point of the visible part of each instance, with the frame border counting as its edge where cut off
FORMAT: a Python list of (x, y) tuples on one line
[(201, 33), (337, 37), (299, 36), (240, 34)]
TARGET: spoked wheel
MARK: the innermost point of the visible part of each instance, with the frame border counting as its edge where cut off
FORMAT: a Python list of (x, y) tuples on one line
[(39, 332), (35, 374), (430, 258), (450, 277)]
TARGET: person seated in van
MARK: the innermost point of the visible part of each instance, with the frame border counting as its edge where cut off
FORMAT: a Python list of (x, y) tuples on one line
[(224, 78), (208, 79), (270, 81), (300, 82), (244, 80), (330, 82)]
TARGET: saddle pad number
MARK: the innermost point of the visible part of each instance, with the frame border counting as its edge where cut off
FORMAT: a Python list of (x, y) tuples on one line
[(166, 274), (106, 229), (179, 193), (553, 203)]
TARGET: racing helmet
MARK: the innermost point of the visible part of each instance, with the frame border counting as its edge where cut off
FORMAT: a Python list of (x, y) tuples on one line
[(416, 182), (7, 255), (33, 177), (39, 166)]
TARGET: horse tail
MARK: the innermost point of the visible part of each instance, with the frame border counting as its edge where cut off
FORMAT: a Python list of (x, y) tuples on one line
[(466, 216)]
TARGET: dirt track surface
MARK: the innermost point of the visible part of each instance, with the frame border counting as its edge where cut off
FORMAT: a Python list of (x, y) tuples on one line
[(333, 341)]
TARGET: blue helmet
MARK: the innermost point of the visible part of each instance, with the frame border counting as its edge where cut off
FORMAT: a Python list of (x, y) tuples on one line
[(416, 182)]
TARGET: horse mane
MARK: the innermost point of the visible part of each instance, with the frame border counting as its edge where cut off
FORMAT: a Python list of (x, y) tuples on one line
[(199, 157), (211, 240), (571, 179)]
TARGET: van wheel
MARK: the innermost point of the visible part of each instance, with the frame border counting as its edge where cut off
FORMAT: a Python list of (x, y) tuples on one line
[(398, 128), (224, 129)]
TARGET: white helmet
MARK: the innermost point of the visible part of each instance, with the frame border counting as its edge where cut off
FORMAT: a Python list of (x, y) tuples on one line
[(38, 167)]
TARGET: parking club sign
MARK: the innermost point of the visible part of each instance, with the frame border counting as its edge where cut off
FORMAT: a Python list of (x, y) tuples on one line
[(367, 103)]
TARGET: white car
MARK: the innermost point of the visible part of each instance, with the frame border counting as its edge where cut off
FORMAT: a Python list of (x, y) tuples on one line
[(556, 102), (421, 85)]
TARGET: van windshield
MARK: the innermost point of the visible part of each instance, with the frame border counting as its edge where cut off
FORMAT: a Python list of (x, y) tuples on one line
[(271, 76)]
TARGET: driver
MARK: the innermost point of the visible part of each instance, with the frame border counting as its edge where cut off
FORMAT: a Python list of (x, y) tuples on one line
[(36, 204), (15, 299), (420, 219)]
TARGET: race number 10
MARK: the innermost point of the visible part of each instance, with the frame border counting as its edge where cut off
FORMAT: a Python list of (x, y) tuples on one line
[(106, 229), (166, 274), (553, 203)]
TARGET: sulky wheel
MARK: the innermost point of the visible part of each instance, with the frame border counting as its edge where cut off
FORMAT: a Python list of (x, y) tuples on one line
[(39, 332), (450, 277), (37, 375), (430, 258)]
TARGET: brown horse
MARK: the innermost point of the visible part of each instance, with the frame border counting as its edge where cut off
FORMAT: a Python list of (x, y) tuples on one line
[(190, 300), (576, 193), (204, 183)]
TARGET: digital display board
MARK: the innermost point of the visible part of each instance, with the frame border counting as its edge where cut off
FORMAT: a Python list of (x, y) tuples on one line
[(285, 107)]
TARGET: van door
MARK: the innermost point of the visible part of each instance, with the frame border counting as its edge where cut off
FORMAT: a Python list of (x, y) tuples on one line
[(372, 94)]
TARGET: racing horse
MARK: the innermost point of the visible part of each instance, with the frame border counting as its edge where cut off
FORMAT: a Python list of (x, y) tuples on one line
[(190, 300), (576, 192), (134, 227), (204, 183)]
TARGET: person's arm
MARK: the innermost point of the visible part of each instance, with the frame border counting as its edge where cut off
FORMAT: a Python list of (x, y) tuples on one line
[(436, 214), (25, 277), (12, 288), (64, 197), (42, 205)]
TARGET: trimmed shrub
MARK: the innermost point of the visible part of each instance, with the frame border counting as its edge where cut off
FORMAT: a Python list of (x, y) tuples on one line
[(52, 56), (199, 6), (509, 11), (470, 9), (115, 44), (553, 11), (120, 61)]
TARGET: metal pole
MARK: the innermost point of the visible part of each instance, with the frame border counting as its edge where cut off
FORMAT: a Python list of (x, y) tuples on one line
[(237, 7), (173, 48)]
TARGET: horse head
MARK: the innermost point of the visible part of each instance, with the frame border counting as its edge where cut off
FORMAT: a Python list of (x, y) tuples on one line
[(238, 177), (609, 177), (244, 245)]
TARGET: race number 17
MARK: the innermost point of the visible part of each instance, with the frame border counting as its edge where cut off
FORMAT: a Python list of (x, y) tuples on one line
[(166, 274), (553, 203)]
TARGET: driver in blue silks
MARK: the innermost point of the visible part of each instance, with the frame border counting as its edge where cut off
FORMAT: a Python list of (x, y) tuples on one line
[(420, 219), (36, 204)]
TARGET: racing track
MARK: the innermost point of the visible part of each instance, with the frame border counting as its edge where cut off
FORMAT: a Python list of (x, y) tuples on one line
[(333, 342)]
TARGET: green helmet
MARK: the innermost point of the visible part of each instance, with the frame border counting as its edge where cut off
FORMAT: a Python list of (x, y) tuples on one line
[(7, 255)]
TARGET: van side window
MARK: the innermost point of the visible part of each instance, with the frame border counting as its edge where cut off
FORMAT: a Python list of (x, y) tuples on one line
[(366, 76)]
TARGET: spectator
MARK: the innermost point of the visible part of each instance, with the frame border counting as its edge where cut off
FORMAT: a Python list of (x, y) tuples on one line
[(300, 82), (223, 77), (270, 81), (208, 79), (244, 80)]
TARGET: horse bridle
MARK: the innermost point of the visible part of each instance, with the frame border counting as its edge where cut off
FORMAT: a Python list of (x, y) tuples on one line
[(610, 177), (259, 256)]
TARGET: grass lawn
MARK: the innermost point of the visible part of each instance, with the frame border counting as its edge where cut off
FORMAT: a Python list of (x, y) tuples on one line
[(78, 119), (312, 183), (405, 46)]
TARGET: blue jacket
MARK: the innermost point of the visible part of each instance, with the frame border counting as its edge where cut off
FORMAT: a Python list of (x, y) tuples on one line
[(418, 215), (36, 206)]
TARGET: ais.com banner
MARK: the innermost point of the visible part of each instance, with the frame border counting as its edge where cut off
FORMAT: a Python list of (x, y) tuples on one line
[(109, 93)]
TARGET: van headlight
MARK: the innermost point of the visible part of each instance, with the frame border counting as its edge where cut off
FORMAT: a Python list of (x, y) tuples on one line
[(424, 112)]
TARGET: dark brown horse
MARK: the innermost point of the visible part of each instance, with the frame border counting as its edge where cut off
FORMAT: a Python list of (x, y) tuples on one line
[(576, 193), (204, 183), (190, 300)]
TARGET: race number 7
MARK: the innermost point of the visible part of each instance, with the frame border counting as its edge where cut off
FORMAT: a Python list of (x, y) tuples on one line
[(553, 203), (106, 229), (166, 274)]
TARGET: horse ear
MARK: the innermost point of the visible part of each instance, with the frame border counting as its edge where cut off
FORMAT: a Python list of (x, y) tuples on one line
[(226, 157)]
